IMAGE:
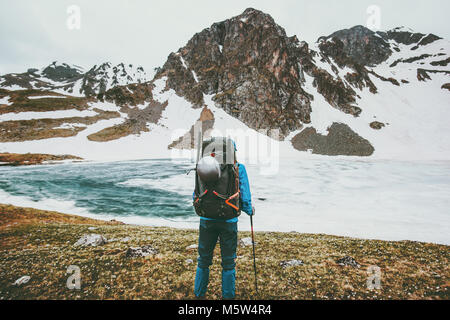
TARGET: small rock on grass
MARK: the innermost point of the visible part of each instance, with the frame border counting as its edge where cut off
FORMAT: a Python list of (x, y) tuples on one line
[(92, 240), (141, 252), (246, 242), (192, 247), (21, 281), (291, 263), (189, 261), (348, 261)]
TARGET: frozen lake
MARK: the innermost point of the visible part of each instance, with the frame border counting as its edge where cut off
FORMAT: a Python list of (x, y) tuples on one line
[(389, 200)]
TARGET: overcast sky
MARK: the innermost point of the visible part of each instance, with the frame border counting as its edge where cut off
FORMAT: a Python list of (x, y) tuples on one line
[(34, 33)]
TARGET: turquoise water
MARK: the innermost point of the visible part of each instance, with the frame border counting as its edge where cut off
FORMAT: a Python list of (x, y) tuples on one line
[(137, 188), (389, 200)]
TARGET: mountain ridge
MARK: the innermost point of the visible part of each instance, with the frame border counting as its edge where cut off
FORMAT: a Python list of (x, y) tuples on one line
[(251, 69)]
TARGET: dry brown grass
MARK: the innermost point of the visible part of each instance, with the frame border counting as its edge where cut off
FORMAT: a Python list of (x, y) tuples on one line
[(40, 244), (16, 159)]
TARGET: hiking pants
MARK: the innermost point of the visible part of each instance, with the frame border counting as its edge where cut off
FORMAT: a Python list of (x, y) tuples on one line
[(226, 232)]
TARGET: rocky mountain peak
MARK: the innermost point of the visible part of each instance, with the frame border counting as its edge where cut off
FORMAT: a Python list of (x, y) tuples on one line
[(251, 68), (362, 44), (407, 36), (61, 72)]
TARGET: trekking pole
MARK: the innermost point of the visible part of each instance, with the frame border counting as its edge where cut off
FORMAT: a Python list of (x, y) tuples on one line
[(254, 255)]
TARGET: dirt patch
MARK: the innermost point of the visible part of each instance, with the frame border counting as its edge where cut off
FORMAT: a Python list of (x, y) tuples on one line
[(38, 129), (15, 159), (11, 215), (112, 133), (21, 102), (136, 123)]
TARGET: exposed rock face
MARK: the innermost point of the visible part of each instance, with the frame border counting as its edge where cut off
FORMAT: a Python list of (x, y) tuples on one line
[(60, 72), (363, 45), (408, 37), (369, 48), (250, 66), (341, 140)]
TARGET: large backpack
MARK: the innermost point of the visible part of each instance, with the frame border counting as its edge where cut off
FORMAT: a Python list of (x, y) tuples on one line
[(219, 199)]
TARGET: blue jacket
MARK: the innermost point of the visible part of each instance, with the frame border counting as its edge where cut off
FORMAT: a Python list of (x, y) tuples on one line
[(245, 200)]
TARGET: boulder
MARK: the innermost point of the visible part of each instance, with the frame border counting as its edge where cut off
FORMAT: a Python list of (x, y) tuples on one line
[(377, 125), (341, 140), (139, 252), (246, 242), (291, 263), (21, 281), (192, 247), (92, 240), (348, 261)]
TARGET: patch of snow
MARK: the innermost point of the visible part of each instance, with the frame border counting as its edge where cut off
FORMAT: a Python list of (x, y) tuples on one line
[(14, 87), (45, 97), (195, 76), (71, 125), (402, 29), (183, 62), (105, 106), (46, 115), (141, 106), (5, 101)]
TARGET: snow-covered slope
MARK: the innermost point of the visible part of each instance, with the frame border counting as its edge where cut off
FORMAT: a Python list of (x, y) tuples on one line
[(75, 80), (415, 112), (398, 107), (176, 120)]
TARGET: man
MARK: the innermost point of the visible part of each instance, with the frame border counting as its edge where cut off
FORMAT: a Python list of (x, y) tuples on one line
[(224, 229)]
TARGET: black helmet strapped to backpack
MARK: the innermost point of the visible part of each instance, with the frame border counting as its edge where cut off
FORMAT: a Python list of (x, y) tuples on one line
[(217, 180)]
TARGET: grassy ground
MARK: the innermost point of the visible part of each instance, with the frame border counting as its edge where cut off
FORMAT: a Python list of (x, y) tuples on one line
[(40, 244)]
